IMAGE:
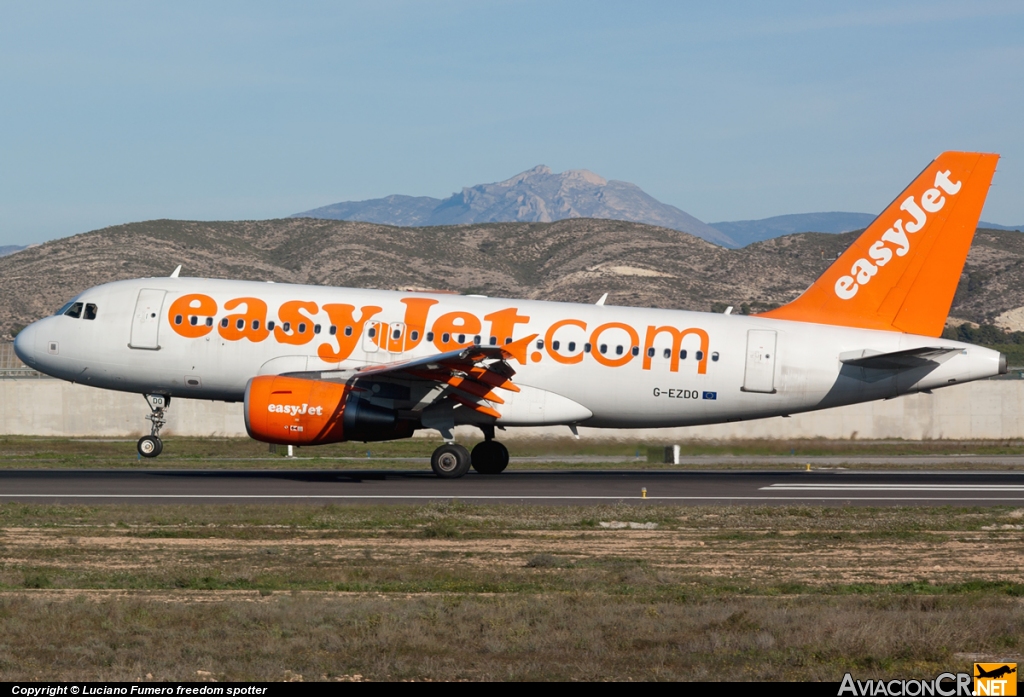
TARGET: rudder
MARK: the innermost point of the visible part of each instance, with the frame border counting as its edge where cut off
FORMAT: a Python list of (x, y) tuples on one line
[(902, 272)]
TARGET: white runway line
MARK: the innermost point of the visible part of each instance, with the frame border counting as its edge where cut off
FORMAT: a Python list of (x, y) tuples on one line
[(1008, 488)]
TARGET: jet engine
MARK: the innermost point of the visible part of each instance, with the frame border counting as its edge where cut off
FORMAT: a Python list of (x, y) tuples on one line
[(297, 411)]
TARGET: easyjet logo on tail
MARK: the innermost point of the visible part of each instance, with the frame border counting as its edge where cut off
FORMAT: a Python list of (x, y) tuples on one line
[(897, 239)]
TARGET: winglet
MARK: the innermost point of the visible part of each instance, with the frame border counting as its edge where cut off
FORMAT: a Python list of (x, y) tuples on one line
[(902, 272), (517, 349)]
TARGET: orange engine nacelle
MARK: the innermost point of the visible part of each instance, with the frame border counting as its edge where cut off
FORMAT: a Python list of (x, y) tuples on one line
[(295, 411)]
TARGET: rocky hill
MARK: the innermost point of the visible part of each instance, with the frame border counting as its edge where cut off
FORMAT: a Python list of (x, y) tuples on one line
[(535, 196), (574, 260)]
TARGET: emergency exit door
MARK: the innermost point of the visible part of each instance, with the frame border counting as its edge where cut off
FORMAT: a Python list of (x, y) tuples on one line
[(759, 375)]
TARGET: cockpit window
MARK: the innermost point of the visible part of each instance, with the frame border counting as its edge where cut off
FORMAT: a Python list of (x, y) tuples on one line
[(90, 311), (64, 307), (74, 311)]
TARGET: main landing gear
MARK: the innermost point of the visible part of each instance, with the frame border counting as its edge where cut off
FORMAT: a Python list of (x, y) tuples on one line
[(151, 445), (452, 460)]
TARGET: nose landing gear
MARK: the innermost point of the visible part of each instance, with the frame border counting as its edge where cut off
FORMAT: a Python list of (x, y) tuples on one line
[(151, 445)]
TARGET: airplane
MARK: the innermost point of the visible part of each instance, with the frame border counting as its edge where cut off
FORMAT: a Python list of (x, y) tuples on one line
[(994, 673), (315, 364)]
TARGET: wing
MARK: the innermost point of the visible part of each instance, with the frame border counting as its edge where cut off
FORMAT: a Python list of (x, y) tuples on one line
[(896, 360), (467, 376)]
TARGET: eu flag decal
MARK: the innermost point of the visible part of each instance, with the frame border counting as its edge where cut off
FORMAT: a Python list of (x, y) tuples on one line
[(710, 395)]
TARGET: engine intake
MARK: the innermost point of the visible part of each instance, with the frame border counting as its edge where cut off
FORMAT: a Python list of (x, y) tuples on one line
[(296, 411)]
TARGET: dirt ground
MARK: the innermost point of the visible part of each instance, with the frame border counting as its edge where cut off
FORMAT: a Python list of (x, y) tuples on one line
[(458, 592)]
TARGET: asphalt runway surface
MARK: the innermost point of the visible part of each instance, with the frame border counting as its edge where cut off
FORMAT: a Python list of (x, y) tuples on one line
[(537, 487)]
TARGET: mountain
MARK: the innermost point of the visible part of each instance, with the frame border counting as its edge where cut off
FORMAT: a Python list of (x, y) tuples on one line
[(573, 260), (993, 226), (10, 249), (398, 210), (745, 232), (536, 195)]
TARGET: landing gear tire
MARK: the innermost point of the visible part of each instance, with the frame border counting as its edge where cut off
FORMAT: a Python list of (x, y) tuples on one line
[(150, 446), (489, 457), (450, 461)]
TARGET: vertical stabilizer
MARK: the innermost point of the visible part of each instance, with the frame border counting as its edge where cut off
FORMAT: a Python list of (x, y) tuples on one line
[(902, 273)]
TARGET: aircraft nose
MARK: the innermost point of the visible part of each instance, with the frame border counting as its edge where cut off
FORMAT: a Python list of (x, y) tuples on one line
[(25, 345)]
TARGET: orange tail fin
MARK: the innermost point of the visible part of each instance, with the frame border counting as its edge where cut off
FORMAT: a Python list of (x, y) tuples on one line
[(901, 274)]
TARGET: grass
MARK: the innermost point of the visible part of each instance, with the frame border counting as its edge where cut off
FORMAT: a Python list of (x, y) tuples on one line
[(452, 591), (24, 452)]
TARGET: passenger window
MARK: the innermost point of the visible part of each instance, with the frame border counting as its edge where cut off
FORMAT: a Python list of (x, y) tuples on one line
[(603, 349), (430, 336), (223, 323), (348, 331), (618, 350), (682, 354), (209, 321), (462, 338), (302, 327), (540, 343), (270, 325), (555, 345), (287, 327), (476, 339), (240, 323), (586, 348), (668, 353), (177, 318), (714, 356), (699, 355), (494, 341), (90, 311), (255, 324), (508, 340), (397, 334), (316, 328), (333, 330), (445, 337), (635, 350), (372, 333), (650, 352), (193, 320), (76, 311), (414, 335), (572, 345)]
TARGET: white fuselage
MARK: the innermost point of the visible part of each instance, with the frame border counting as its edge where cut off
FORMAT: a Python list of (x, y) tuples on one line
[(705, 368)]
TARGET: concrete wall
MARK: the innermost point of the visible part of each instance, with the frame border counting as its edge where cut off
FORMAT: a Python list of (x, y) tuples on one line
[(986, 409)]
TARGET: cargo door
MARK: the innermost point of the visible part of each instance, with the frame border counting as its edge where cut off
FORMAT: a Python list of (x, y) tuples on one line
[(759, 375), (146, 320)]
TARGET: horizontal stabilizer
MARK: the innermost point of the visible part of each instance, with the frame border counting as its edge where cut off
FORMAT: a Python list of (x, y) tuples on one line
[(896, 360)]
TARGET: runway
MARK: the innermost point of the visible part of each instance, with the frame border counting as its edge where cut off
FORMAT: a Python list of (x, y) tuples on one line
[(536, 487)]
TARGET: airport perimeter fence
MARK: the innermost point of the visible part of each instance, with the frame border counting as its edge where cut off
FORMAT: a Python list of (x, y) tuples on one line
[(12, 368)]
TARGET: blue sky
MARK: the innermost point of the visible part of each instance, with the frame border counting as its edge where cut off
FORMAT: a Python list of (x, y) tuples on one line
[(114, 112)]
